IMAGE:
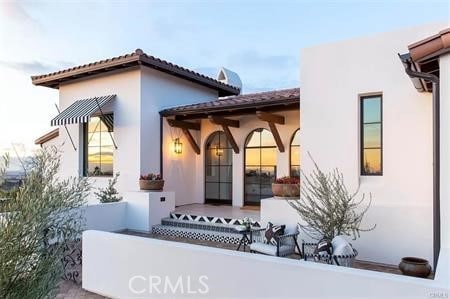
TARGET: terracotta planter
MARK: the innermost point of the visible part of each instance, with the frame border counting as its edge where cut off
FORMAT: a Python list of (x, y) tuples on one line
[(413, 266), (286, 190), (151, 185)]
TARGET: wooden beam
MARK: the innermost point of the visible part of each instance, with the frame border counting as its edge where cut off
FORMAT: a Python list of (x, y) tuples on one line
[(270, 117), (183, 124), (230, 138), (191, 141), (226, 123), (218, 120), (276, 136)]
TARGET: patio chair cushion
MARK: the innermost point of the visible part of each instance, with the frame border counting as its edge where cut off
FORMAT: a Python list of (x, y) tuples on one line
[(270, 249), (324, 246), (341, 247), (272, 231)]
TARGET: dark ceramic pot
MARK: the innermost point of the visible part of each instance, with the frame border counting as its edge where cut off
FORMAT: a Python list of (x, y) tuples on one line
[(414, 266)]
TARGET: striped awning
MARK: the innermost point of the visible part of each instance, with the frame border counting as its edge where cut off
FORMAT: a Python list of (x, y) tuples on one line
[(81, 111)]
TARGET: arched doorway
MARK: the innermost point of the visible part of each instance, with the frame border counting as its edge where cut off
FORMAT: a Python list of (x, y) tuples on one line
[(260, 166), (218, 169)]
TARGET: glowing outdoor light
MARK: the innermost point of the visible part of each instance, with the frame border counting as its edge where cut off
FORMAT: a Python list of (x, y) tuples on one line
[(177, 146), (219, 151)]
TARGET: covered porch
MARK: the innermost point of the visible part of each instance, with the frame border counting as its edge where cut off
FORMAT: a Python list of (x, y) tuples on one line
[(229, 151)]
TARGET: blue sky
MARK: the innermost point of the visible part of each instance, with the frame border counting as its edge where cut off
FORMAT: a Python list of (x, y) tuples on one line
[(260, 40)]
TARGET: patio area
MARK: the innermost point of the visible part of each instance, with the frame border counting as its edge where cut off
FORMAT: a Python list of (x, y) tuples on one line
[(379, 267)]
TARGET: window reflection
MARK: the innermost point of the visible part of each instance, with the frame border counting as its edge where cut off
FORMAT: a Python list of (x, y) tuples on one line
[(295, 154), (260, 166), (99, 149), (371, 136), (218, 169)]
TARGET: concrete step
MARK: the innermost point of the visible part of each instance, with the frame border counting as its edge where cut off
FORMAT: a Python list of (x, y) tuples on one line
[(210, 219), (196, 233), (218, 227)]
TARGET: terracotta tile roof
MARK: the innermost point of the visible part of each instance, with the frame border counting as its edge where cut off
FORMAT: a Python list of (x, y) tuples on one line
[(282, 97), (431, 46), (136, 58), (47, 137)]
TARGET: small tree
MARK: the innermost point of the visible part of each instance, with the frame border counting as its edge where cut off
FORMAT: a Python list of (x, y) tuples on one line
[(44, 217), (327, 207), (110, 193)]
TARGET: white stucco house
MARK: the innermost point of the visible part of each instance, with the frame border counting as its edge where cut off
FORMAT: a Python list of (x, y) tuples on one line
[(360, 107)]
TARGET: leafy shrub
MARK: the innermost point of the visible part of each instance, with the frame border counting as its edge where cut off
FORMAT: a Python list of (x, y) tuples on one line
[(45, 216), (110, 193)]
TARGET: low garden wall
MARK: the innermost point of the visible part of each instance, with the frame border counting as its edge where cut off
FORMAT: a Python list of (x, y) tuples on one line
[(124, 266), (106, 216)]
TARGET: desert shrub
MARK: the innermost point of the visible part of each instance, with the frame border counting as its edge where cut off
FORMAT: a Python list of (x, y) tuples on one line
[(327, 207)]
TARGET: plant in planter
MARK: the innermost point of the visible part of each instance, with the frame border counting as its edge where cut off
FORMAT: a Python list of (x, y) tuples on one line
[(151, 181), (286, 187), (327, 208)]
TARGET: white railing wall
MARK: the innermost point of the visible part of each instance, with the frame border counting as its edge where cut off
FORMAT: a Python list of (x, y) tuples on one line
[(123, 266), (106, 216)]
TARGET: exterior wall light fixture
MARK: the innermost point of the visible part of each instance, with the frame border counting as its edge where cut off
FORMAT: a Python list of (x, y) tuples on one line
[(177, 146)]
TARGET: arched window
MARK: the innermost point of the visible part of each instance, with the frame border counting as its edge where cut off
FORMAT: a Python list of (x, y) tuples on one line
[(295, 154), (260, 166), (218, 169)]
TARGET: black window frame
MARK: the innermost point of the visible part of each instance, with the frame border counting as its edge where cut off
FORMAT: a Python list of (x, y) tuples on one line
[(219, 200), (86, 151), (260, 166), (361, 128)]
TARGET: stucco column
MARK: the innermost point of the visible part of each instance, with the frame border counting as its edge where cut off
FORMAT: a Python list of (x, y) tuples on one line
[(444, 63), (238, 178)]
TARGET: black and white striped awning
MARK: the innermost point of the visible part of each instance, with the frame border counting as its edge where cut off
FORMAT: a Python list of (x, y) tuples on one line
[(81, 110)]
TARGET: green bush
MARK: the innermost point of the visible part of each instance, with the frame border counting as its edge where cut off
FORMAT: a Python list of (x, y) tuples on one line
[(110, 193), (44, 217)]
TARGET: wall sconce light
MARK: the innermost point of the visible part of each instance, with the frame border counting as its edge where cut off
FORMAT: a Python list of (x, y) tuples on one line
[(177, 146), (219, 151)]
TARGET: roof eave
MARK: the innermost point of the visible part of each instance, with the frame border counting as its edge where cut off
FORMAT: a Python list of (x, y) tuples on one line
[(53, 80)]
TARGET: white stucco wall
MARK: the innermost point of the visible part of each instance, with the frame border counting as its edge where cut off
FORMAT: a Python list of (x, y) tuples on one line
[(138, 263), (333, 76), (185, 174), (126, 108), (141, 93), (444, 64)]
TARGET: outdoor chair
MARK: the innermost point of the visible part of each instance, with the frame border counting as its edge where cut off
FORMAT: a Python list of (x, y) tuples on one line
[(309, 254), (285, 244)]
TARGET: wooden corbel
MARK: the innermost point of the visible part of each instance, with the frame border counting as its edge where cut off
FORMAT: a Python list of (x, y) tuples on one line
[(226, 123), (273, 119)]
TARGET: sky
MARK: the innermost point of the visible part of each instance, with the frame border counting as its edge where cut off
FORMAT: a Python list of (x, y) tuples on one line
[(260, 40)]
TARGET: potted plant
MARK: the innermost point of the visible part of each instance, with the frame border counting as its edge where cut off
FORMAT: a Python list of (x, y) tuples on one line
[(151, 181), (414, 266), (286, 187)]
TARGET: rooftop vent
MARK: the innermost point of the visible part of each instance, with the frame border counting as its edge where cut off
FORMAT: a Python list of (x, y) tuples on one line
[(230, 78)]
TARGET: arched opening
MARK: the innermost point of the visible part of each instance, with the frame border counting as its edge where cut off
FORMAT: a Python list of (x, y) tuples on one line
[(295, 155), (260, 166), (218, 169)]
